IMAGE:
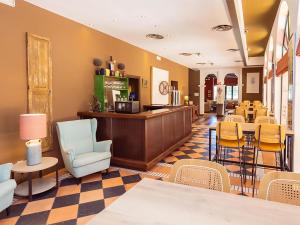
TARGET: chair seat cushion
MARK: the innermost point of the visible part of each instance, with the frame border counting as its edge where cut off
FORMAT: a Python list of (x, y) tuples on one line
[(231, 144), (7, 187), (89, 158), (269, 147)]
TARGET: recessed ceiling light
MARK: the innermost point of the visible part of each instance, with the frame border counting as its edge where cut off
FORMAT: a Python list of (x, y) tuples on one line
[(223, 27), (201, 63), (197, 53), (238, 61), (158, 58), (155, 36), (233, 50), (185, 54)]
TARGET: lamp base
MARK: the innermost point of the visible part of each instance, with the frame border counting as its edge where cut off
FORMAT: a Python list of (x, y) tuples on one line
[(34, 152)]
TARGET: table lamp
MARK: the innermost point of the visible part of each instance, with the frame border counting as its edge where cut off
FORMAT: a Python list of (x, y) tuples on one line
[(33, 127)]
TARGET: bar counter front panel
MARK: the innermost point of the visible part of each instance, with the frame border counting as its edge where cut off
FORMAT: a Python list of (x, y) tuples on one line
[(141, 140)]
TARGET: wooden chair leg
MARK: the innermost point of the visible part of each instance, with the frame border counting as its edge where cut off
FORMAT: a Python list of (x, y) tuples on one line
[(281, 161), (254, 182), (7, 211), (241, 171), (253, 162), (78, 180)]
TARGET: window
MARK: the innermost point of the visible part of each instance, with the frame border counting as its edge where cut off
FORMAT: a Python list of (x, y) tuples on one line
[(232, 92), (215, 92)]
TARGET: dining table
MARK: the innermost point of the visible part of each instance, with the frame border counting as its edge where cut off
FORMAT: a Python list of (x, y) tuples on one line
[(249, 129), (158, 202)]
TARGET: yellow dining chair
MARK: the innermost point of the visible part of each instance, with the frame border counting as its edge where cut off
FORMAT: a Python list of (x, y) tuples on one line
[(200, 173), (265, 119), (257, 102), (268, 138), (235, 118), (242, 111), (260, 112), (230, 136), (281, 187), (247, 103)]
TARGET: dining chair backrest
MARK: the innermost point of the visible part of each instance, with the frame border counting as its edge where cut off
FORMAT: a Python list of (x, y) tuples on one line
[(265, 119), (200, 173), (235, 118), (244, 105), (230, 131), (281, 187), (261, 112), (257, 102), (246, 102), (270, 133), (242, 111)]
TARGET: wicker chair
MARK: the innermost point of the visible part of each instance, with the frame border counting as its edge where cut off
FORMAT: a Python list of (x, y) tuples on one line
[(235, 118), (200, 173), (230, 136), (265, 119), (281, 187), (268, 138)]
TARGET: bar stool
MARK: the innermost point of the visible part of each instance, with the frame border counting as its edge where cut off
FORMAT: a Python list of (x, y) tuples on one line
[(268, 138), (230, 135)]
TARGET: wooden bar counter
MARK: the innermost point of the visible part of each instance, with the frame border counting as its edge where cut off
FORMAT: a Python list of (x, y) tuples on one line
[(141, 140)]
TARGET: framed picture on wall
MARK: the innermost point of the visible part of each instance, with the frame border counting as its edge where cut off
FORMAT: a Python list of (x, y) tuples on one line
[(252, 83)]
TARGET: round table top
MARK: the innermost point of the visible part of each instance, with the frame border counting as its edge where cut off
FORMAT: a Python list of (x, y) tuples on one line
[(47, 162)]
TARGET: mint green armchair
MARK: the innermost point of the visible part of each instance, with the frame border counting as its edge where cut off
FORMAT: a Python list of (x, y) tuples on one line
[(81, 153), (7, 187)]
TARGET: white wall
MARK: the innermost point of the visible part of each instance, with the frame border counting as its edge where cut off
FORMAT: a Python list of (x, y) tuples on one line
[(220, 73), (293, 6)]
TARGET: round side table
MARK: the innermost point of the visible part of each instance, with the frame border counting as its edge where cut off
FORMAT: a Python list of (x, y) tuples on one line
[(38, 185)]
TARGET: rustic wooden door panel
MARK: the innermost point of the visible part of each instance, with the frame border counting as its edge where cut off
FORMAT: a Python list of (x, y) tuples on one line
[(40, 81)]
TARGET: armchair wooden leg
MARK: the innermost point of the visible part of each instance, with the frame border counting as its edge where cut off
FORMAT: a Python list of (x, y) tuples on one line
[(8, 211), (106, 171), (78, 180)]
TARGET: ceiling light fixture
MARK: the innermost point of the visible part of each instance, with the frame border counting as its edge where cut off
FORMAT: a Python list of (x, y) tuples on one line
[(238, 61), (201, 63), (223, 27), (233, 50), (155, 36), (185, 54)]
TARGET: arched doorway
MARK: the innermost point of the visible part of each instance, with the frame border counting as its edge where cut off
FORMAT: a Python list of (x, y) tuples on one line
[(210, 82)]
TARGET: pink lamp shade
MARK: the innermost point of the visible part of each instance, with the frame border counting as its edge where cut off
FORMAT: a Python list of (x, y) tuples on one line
[(33, 126)]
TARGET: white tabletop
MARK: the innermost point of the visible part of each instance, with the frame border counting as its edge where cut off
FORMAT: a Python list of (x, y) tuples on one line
[(157, 202), (47, 162)]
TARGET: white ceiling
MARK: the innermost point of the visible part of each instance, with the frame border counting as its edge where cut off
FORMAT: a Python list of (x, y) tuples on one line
[(186, 25)]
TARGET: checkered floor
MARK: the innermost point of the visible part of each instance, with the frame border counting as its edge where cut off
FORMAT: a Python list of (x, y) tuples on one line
[(76, 204)]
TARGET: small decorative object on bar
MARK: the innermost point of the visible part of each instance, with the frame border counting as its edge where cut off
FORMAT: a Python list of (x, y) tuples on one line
[(112, 66), (186, 100), (121, 67), (33, 127), (97, 63), (95, 104)]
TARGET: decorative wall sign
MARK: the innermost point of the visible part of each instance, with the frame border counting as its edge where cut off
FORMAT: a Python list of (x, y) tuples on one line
[(252, 83), (163, 88), (159, 86)]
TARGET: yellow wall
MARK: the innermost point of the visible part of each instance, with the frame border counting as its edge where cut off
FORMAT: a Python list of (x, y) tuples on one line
[(74, 47)]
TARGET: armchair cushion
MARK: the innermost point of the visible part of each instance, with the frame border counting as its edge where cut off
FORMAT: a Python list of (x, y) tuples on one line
[(5, 170), (89, 158), (76, 135), (7, 187)]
